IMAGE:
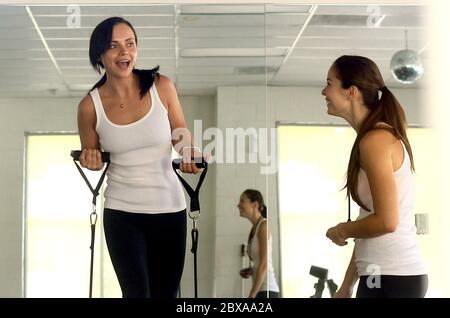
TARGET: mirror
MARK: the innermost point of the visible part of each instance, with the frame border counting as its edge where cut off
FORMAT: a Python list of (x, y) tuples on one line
[(245, 75), (208, 51)]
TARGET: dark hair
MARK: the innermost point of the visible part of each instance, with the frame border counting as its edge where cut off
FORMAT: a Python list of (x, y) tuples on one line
[(255, 195), (364, 74), (100, 42)]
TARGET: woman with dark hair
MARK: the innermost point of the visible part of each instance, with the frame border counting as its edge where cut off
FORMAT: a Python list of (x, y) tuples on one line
[(251, 206), (133, 114), (386, 256)]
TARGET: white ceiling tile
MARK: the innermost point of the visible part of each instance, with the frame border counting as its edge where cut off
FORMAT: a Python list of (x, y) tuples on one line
[(11, 10), (285, 19), (285, 42), (83, 43), (189, 43), (14, 54), (221, 32), (221, 20), (19, 33), (15, 21), (206, 70), (85, 32), (408, 10), (223, 61), (364, 43), (375, 33), (404, 22), (275, 8), (214, 9), (92, 21), (105, 10)]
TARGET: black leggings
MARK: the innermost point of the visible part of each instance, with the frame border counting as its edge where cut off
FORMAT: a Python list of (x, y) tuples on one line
[(392, 286), (267, 294), (147, 251)]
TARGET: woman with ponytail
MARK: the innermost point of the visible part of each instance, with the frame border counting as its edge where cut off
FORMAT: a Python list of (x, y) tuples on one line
[(259, 248), (133, 114), (386, 256)]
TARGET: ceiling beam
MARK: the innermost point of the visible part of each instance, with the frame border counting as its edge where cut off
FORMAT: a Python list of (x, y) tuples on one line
[(47, 48), (297, 38)]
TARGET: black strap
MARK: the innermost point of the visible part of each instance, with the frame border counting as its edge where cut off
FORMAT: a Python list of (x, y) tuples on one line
[(194, 236), (193, 194), (194, 207), (95, 192), (93, 217), (91, 270)]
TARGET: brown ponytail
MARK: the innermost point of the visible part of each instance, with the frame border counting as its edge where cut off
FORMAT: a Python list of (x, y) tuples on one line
[(364, 74)]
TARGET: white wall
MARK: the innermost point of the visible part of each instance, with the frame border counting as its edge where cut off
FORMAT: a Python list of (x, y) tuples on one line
[(19, 116), (246, 107), (56, 115)]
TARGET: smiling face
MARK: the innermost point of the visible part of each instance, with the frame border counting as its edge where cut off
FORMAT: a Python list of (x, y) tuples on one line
[(338, 102), (120, 57), (246, 207)]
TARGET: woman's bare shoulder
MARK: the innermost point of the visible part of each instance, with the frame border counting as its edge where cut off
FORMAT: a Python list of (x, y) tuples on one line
[(86, 107), (376, 139)]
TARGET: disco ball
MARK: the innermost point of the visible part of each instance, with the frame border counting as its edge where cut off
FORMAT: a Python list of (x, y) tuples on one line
[(406, 66)]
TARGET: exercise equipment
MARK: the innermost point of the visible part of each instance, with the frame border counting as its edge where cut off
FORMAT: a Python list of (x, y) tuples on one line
[(75, 154), (194, 211)]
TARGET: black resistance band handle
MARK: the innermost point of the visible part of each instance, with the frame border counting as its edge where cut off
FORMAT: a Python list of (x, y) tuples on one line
[(201, 165), (76, 155)]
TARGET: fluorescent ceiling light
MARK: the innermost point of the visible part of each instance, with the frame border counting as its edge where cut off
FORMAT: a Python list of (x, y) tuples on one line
[(232, 52), (275, 8), (222, 9)]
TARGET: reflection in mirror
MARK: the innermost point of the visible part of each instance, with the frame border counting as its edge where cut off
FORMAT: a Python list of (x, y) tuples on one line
[(259, 246), (215, 56)]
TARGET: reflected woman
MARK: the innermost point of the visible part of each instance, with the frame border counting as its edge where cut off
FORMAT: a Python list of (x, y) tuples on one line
[(259, 248)]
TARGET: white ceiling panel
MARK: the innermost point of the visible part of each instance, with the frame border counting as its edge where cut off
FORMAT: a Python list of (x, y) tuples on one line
[(83, 43), (190, 43), (13, 54), (280, 42), (111, 10), (85, 32), (403, 22), (362, 43), (207, 70), (399, 10), (223, 20), (21, 33), (92, 21), (376, 33), (220, 32), (223, 78), (285, 19), (222, 61), (9, 21), (333, 53), (274, 8)]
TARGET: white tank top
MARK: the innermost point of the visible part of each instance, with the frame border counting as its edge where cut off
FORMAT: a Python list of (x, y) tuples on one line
[(395, 253), (140, 176), (270, 282)]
